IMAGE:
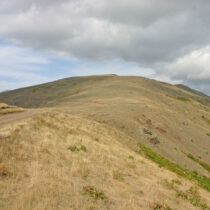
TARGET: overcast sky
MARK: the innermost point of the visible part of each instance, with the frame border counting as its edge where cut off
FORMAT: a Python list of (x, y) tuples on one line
[(43, 40)]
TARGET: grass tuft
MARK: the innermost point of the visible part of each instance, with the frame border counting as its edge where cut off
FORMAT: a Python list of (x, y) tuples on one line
[(73, 148), (158, 206), (93, 192), (206, 119), (131, 157), (83, 148), (118, 176)]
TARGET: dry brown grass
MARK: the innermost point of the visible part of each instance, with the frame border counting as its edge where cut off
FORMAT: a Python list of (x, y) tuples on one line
[(6, 109), (130, 104), (38, 171)]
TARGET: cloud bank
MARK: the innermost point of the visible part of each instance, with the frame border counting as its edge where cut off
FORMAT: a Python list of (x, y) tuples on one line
[(168, 36)]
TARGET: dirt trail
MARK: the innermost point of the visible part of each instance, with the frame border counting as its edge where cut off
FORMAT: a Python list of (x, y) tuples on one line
[(8, 118)]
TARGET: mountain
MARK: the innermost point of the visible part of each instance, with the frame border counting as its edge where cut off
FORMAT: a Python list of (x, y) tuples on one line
[(93, 142), (184, 87)]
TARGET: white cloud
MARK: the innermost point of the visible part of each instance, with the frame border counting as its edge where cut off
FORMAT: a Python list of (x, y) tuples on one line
[(140, 31), (19, 67), (118, 67), (166, 36), (192, 69), (18, 55)]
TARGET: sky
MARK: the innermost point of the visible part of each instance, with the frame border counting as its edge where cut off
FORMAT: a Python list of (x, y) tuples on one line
[(45, 40)]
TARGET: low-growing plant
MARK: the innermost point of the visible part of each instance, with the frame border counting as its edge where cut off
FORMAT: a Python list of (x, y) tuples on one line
[(73, 148), (97, 139), (176, 181), (202, 163), (93, 192), (61, 85), (83, 148), (192, 195), (185, 123), (206, 119), (168, 184), (131, 157), (202, 181), (158, 206), (208, 134), (118, 176), (184, 99), (35, 89)]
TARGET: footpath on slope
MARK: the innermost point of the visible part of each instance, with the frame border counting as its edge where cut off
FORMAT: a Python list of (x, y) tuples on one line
[(11, 117)]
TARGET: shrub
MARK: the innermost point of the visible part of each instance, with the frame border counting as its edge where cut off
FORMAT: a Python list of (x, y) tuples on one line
[(73, 148), (93, 192), (131, 157), (83, 148)]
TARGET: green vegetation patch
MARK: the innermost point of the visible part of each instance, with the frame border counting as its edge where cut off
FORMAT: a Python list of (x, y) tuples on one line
[(74, 148), (158, 206), (208, 134), (93, 192), (176, 181), (202, 181), (192, 195), (206, 119), (36, 88), (202, 163), (131, 157), (83, 148), (61, 85), (118, 176), (184, 99)]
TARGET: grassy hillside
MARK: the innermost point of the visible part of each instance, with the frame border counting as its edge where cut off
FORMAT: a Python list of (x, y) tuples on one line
[(81, 88), (61, 161), (105, 142), (177, 119)]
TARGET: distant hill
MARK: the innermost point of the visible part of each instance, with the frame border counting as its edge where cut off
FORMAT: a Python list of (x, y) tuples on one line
[(52, 93), (184, 87)]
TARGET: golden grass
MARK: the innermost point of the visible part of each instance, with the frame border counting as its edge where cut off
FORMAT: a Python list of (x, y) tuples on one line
[(6, 109), (129, 104), (38, 171)]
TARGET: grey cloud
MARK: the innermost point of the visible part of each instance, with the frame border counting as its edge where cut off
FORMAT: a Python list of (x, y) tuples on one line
[(152, 33), (139, 31)]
